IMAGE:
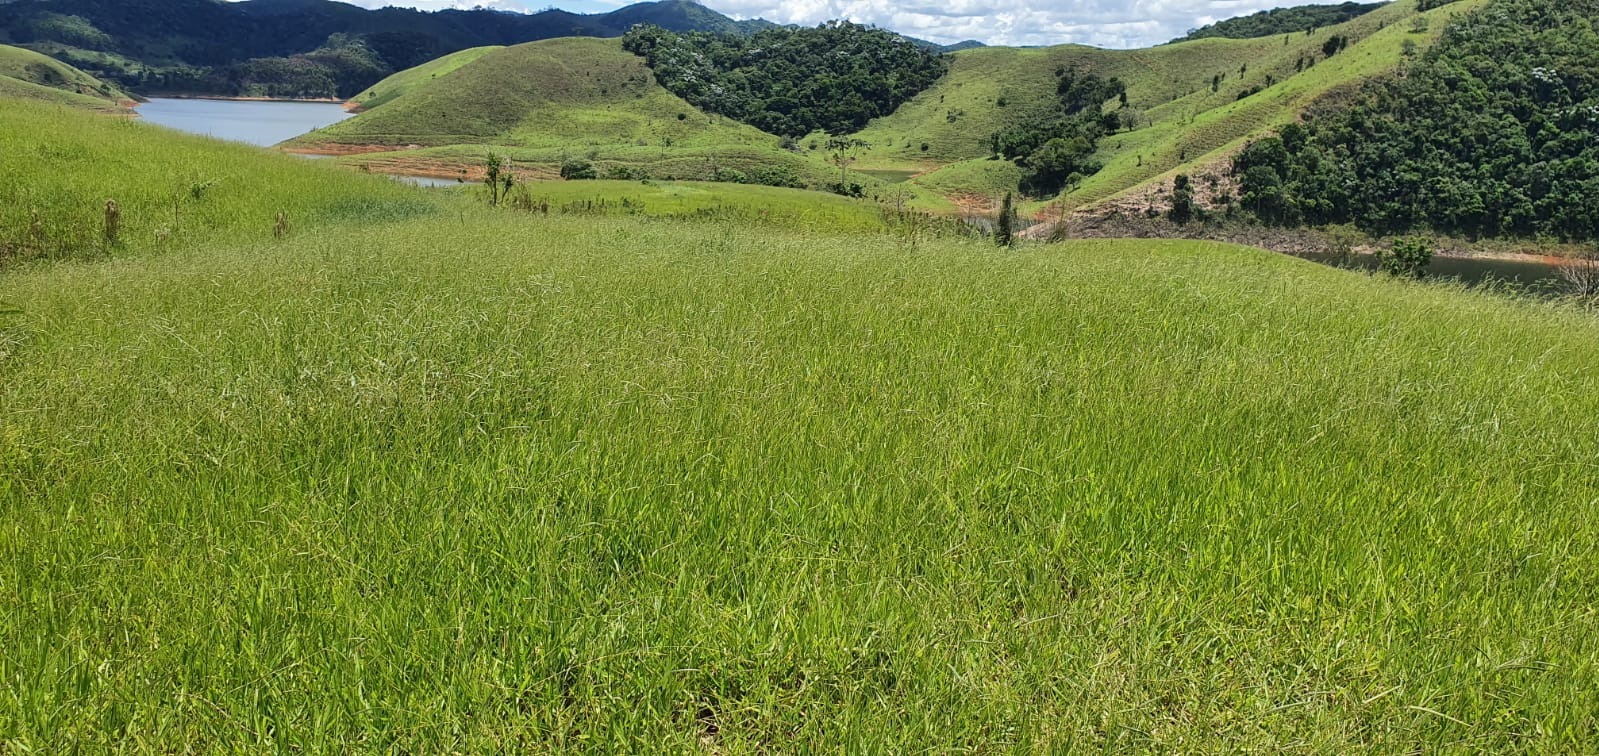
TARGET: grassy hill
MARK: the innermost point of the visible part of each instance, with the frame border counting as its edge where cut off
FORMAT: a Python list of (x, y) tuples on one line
[(1181, 121), (545, 103), (1189, 105), (571, 92), (411, 78), (27, 75), (487, 481)]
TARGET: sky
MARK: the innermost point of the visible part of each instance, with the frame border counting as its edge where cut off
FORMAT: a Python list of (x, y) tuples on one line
[(1103, 23)]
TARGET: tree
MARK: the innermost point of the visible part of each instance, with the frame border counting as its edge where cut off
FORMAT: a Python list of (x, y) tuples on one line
[(1005, 224), (1182, 200), (492, 165), (843, 151), (1341, 242)]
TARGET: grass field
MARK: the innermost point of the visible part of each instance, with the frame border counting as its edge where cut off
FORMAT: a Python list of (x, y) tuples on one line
[(172, 190), (426, 476), (634, 484)]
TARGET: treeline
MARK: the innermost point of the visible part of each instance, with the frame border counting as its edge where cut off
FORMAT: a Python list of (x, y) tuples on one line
[(1055, 146), (339, 69), (1493, 132), (1282, 21), (791, 82)]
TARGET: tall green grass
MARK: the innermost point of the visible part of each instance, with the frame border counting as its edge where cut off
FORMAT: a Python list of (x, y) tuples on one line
[(507, 483), (60, 167)]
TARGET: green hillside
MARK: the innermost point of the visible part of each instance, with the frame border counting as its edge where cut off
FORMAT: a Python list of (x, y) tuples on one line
[(25, 74), (424, 476), (1180, 120), (1199, 133), (411, 78), (1267, 23), (571, 92), (547, 103), (1189, 105)]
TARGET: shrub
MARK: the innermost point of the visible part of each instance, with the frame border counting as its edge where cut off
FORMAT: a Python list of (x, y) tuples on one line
[(573, 170), (1408, 256)]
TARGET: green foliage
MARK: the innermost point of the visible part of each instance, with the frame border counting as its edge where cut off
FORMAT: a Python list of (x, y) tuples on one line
[(1494, 132), (1407, 256), (1269, 23), (791, 81), (576, 170)]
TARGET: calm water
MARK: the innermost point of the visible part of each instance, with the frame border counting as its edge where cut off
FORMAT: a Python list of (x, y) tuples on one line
[(428, 181), (261, 123)]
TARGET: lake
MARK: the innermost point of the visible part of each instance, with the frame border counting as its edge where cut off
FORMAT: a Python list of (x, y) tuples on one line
[(253, 122)]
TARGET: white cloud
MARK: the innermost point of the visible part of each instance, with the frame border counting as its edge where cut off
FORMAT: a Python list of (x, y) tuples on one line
[(1103, 23)]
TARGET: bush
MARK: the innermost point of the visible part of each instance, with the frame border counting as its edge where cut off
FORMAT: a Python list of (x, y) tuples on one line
[(776, 175), (730, 176), (626, 173), (1408, 256), (573, 170)]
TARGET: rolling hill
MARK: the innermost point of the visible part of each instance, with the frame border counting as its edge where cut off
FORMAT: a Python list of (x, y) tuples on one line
[(547, 103), (1189, 106), (1181, 121)]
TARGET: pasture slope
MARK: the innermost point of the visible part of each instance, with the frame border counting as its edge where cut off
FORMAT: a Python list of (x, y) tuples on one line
[(421, 475)]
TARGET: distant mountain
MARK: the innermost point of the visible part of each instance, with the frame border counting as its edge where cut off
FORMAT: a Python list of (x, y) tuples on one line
[(298, 47)]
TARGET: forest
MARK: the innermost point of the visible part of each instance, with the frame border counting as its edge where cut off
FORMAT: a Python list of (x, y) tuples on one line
[(791, 81), (1492, 132), (1281, 21)]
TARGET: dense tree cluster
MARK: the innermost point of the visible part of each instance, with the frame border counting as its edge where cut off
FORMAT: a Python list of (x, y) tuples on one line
[(1494, 132), (1056, 145), (1282, 21), (791, 81)]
